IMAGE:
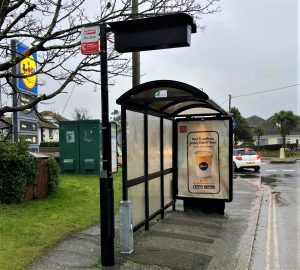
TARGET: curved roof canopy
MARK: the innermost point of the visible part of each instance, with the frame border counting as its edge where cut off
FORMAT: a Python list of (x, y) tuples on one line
[(170, 98)]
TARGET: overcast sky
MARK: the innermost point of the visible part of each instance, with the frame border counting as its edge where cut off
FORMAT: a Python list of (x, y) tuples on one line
[(248, 47)]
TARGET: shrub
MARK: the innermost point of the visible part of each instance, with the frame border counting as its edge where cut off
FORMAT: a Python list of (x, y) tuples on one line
[(17, 170), (53, 175), (49, 144)]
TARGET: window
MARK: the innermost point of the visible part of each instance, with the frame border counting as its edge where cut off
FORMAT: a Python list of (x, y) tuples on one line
[(279, 140), (50, 134), (263, 141)]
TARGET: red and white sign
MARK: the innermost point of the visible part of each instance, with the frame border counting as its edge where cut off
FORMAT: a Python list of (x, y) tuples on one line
[(90, 40)]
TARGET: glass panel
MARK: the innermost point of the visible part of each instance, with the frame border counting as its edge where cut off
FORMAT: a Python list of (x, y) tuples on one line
[(168, 143), (154, 195), (168, 181), (198, 111), (182, 104), (153, 144), (136, 195), (159, 104), (135, 144)]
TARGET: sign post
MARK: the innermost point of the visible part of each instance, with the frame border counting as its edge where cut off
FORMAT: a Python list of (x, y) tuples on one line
[(106, 179), (25, 122)]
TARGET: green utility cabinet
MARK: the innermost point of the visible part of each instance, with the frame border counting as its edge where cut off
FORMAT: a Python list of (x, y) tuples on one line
[(80, 146)]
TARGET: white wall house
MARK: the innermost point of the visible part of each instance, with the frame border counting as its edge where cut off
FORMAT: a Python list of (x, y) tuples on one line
[(49, 129), (48, 132), (271, 133)]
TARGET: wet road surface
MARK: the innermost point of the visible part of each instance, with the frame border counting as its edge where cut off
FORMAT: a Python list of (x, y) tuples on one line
[(277, 243)]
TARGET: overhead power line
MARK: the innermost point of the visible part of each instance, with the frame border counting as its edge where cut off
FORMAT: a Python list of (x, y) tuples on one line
[(264, 91)]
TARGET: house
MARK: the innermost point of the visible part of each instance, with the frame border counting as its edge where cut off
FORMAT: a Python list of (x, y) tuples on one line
[(49, 126), (271, 134)]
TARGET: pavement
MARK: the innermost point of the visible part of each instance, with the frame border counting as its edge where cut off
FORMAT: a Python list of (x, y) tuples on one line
[(182, 240)]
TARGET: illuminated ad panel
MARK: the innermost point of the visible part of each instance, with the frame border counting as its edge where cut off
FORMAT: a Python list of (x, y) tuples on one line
[(27, 67), (114, 155), (203, 159)]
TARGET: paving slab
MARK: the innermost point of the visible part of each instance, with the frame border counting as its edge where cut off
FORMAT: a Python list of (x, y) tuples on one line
[(183, 240)]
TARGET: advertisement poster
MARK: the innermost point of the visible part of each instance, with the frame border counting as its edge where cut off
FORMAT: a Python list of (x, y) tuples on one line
[(114, 153), (204, 162)]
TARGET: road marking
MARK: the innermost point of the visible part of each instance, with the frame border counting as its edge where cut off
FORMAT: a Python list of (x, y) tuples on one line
[(272, 237), (288, 170), (271, 170)]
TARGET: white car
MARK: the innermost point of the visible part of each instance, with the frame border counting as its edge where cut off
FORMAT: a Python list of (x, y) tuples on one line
[(246, 158)]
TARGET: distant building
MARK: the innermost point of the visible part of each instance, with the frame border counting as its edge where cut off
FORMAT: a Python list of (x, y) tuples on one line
[(49, 126), (271, 134)]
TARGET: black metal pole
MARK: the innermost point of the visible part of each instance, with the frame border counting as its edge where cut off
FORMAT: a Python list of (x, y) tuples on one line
[(106, 179), (13, 45)]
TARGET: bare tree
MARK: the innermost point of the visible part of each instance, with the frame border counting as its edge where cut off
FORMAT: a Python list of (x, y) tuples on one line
[(52, 29), (80, 114)]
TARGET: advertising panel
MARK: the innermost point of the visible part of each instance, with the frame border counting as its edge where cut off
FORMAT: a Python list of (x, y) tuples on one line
[(27, 67), (114, 153), (204, 162)]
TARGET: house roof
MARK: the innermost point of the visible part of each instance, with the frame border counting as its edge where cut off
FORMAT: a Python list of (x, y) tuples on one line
[(53, 115), (44, 124), (254, 121), (268, 126)]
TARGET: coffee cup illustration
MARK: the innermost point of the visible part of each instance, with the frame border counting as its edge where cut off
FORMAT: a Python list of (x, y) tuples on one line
[(203, 163)]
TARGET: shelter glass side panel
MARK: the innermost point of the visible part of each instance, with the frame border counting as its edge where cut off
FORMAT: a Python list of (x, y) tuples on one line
[(153, 144), (168, 190), (154, 195), (135, 144), (136, 194), (168, 143), (203, 159)]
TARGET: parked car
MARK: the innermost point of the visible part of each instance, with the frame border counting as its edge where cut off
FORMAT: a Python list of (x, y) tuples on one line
[(246, 158)]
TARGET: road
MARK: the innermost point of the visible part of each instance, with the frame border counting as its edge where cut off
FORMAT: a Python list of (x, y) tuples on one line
[(277, 241)]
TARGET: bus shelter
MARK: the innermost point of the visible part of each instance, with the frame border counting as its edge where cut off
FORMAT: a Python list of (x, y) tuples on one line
[(176, 144)]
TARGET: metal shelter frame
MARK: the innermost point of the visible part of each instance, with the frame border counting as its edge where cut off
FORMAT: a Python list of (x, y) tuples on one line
[(174, 101)]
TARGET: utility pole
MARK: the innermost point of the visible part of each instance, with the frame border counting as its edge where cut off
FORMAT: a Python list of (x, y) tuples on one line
[(136, 73), (229, 107)]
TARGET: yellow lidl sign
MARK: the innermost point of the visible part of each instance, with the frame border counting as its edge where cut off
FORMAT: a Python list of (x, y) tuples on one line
[(27, 67)]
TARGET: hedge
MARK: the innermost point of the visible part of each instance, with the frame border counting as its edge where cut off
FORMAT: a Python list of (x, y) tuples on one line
[(17, 170), (49, 144), (53, 175)]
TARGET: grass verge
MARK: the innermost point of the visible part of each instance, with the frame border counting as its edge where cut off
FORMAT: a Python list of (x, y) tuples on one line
[(29, 229)]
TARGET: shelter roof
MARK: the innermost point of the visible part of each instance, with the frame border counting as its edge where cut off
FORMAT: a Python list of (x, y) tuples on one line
[(170, 98)]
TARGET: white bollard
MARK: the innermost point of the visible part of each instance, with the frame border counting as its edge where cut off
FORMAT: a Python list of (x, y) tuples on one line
[(281, 153), (126, 228)]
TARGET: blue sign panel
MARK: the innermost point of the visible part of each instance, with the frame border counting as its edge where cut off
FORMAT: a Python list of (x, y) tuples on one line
[(26, 67)]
